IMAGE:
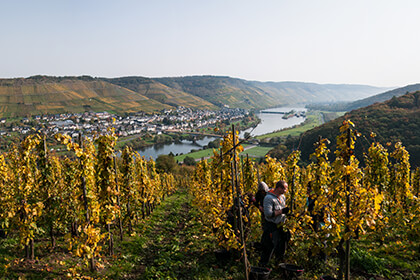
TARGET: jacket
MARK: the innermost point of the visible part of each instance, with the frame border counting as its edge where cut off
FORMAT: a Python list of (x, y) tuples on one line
[(273, 203)]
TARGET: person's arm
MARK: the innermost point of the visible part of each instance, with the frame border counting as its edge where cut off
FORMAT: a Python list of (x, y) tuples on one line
[(275, 213), (268, 207), (279, 212)]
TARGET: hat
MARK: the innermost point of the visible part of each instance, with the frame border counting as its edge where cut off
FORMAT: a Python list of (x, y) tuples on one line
[(262, 186)]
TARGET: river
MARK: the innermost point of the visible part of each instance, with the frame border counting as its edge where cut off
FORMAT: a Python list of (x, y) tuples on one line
[(176, 148), (269, 122)]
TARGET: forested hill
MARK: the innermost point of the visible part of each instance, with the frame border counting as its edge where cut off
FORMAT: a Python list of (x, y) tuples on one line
[(382, 97), (395, 120), (348, 106)]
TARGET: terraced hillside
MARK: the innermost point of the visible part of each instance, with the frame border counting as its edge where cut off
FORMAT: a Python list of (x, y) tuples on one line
[(38, 95), (44, 94), (162, 93)]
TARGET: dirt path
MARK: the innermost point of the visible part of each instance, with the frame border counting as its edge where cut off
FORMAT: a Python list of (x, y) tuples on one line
[(169, 247)]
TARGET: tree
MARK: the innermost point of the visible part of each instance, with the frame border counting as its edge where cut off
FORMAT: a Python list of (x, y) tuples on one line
[(189, 161), (165, 163)]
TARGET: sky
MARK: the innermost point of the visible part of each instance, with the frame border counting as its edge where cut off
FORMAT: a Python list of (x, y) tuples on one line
[(371, 42)]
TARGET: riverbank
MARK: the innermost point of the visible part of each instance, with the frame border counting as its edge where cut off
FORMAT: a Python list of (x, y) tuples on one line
[(253, 151), (313, 119), (182, 142)]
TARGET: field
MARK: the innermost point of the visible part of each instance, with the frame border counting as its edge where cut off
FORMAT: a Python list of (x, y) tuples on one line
[(253, 151), (195, 155), (256, 151)]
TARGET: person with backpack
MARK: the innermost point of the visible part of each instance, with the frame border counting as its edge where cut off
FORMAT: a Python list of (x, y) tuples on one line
[(274, 237), (259, 197)]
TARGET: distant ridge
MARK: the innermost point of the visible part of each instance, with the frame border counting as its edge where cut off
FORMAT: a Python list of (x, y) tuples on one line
[(50, 95), (253, 94), (382, 97), (397, 119)]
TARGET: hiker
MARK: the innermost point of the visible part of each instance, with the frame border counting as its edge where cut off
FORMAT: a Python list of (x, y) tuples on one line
[(274, 237), (259, 203), (259, 197)]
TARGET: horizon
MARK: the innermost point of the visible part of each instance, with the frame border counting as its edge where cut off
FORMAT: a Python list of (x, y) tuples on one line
[(215, 76), (327, 42)]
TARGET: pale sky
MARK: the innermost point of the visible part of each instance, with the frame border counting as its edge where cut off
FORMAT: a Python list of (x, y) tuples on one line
[(372, 42)]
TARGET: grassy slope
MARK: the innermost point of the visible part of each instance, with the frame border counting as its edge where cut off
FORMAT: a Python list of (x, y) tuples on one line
[(196, 155), (256, 152)]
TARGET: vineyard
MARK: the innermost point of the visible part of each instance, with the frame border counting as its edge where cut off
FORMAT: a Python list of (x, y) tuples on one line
[(84, 199), (117, 217)]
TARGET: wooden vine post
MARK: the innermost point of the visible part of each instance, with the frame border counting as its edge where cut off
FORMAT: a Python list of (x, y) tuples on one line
[(347, 229), (84, 186), (92, 263), (118, 199), (238, 202), (293, 190)]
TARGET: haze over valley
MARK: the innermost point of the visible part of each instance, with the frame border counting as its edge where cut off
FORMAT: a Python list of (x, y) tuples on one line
[(51, 95)]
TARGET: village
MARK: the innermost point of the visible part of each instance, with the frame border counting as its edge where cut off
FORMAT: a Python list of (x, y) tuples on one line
[(181, 120)]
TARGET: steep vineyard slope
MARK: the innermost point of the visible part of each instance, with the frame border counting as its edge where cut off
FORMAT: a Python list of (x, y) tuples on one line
[(162, 93), (39, 95), (225, 91)]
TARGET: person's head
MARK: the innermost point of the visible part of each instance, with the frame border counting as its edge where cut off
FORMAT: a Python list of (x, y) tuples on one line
[(262, 186), (281, 187)]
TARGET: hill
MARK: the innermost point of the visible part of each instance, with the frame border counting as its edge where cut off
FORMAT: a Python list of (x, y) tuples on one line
[(50, 95), (394, 120), (221, 91), (382, 97), (253, 94), (161, 93), (312, 93), (348, 106), (41, 94)]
